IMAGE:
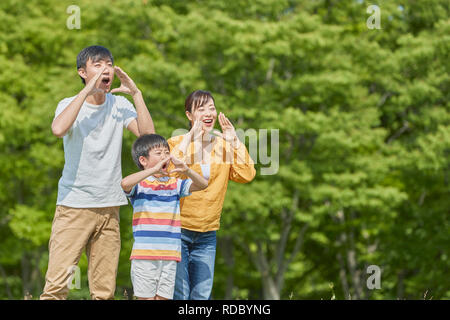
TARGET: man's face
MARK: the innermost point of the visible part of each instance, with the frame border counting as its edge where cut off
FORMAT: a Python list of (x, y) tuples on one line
[(93, 67), (206, 113), (156, 155)]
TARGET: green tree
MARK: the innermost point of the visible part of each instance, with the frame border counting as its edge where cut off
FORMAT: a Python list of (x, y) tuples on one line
[(362, 116)]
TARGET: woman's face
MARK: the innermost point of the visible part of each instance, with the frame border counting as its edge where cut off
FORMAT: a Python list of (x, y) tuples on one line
[(206, 113)]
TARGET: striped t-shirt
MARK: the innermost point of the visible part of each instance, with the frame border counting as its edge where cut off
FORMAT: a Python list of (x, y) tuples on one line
[(156, 218)]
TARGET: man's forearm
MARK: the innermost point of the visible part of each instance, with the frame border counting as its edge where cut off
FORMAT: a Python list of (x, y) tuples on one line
[(65, 120), (144, 119)]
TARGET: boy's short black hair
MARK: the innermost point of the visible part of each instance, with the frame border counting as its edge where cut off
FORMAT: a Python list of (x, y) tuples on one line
[(145, 143), (95, 53)]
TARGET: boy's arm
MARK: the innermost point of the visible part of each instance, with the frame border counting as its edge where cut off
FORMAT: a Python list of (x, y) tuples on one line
[(130, 181), (64, 121), (144, 123), (198, 181)]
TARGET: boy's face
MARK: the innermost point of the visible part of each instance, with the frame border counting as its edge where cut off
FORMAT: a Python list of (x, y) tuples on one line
[(93, 67), (206, 113), (155, 155)]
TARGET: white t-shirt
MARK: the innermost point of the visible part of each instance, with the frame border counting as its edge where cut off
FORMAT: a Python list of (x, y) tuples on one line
[(92, 150)]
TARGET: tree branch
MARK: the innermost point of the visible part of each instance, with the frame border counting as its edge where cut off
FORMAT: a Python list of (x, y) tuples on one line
[(399, 132), (286, 228)]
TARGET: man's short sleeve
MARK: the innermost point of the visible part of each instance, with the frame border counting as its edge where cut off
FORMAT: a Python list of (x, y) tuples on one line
[(183, 187), (127, 110), (62, 105)]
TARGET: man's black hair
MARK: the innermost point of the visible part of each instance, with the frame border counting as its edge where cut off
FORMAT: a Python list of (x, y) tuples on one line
[(145, 143), (95, 53)]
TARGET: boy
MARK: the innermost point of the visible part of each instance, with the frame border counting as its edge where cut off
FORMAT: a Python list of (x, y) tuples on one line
[(89, 194), (156, 216)]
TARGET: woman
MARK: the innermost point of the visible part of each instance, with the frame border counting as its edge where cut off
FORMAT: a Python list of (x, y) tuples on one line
[(219, 157)]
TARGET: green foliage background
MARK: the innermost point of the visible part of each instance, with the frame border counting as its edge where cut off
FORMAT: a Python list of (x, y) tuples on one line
[(363, 118)]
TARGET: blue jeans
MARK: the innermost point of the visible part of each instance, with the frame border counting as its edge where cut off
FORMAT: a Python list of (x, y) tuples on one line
[(195, 271)]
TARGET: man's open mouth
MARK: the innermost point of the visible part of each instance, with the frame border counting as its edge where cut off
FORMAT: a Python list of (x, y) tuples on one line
[(106, 81)]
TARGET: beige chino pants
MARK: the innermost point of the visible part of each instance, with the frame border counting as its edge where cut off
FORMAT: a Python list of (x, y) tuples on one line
[(73, 230)]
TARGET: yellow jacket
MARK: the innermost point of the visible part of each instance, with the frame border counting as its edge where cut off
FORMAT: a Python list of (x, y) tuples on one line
[(201, 211)]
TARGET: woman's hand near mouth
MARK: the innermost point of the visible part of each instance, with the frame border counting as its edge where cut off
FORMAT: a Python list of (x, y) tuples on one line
[(228, 133), (197, 131), (195, 135)]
